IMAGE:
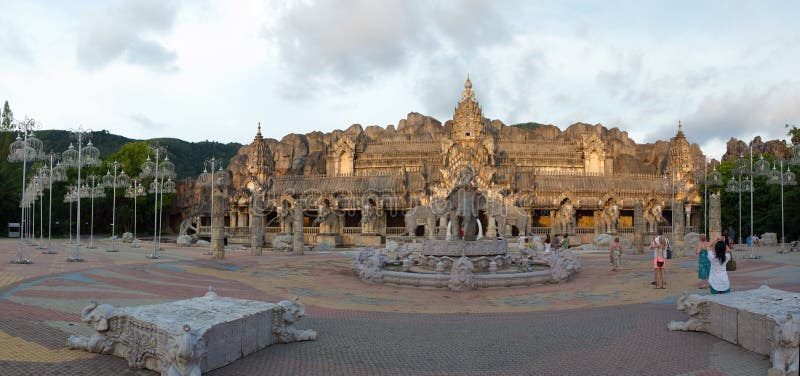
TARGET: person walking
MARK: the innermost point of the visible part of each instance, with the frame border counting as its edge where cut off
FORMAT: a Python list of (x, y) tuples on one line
[(615, 254), (718, 277), (703, 263)]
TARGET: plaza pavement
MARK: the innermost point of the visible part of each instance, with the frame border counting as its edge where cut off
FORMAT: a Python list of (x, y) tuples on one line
[(598, 323)]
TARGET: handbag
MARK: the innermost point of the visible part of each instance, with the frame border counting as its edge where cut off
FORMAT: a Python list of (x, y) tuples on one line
[(731, 265)]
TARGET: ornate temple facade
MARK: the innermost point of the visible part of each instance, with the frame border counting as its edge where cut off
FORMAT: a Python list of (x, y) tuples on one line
[(470, 177)]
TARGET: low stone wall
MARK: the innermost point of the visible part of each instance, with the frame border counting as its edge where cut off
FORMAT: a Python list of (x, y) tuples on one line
[(191, 336), (764, 320), (482, 281)]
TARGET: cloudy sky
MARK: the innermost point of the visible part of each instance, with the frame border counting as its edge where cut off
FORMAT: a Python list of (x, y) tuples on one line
[(212, 69)]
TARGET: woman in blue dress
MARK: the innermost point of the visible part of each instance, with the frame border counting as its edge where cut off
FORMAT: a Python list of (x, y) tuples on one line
[(703, 263)]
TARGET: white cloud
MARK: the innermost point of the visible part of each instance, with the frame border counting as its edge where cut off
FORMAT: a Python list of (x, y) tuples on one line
[(129, 30)]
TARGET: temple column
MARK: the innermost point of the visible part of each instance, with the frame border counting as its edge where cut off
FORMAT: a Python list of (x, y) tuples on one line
[(297, 228), (638, 226), (218, 228), (598, 227), (233, 218), (430, 227), (491, 228), (678, 228), (256, 227), (714, 217)]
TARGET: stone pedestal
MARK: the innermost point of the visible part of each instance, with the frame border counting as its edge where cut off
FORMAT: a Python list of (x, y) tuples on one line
[(192, 336), (256, 226), (333, 239), (369, 240)]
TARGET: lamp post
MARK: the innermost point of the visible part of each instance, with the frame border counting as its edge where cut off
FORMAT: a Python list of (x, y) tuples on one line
[(78, 158), (94, 190), (134, 191), (114, 181), (26, 148), (207, 179), (69, 197), (783, 178), (158, 170)]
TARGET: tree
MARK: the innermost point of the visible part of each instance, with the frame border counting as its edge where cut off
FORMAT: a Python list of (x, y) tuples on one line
[(795, 133), (8, 118)]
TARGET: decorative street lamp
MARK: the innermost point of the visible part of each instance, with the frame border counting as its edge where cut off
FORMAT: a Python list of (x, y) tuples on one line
[(115, 181), (50, 174), (69, 197), (94, 190), (83, 156), (783, 178), (208, 179), (134, 191), (157, 170), (713, 179), (26, 148)]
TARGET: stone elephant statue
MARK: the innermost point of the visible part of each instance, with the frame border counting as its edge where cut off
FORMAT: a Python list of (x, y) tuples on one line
[(511, 215), (422, 213), (97, 317)]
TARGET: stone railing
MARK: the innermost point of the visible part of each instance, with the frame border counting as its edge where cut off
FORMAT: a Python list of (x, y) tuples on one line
[(310, 230), (394, 231), (272, 230), (351, 230)]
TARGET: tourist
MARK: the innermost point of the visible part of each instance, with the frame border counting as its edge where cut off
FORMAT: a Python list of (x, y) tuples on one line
[(718, 277), (565, 242), (615, 254), (557, 242), (659, 262), (755, 240), (731, 236), (547, 244), (703, 263)]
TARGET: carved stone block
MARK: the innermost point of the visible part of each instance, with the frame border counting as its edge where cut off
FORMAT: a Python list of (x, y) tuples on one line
[(192, 336), (367, 240), (758, 320)]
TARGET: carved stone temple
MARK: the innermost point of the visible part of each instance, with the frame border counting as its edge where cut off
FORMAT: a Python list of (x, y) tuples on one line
[(361, 185)]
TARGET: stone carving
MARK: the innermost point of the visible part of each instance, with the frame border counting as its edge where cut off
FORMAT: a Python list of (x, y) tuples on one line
[(690, 242), (698, 314), (185, 240), (160, 337), (652, 216), (565, 217), (283, 323), (284, 214), (326, 217), (369, 218), (424, 214), (324, 247), (297, 228), (282, 242), (769, 239), (461, 277), (392, 245), (603, 241), (759, 320), (97, 316), (369, 264), (785, 340), (184, 354), (127, 237), (609, 216), (508, 214), (562, 265)]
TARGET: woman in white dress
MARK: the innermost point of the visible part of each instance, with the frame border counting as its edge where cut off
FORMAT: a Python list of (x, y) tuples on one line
[(718, 277)]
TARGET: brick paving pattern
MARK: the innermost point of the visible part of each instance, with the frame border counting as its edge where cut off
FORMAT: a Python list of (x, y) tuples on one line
[(600, 323)]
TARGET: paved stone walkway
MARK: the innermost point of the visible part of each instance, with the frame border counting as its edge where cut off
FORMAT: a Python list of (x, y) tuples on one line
[(600, 322)]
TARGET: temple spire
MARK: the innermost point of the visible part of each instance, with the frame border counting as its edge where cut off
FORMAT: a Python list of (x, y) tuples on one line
[(468, 94), (259, 129)]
